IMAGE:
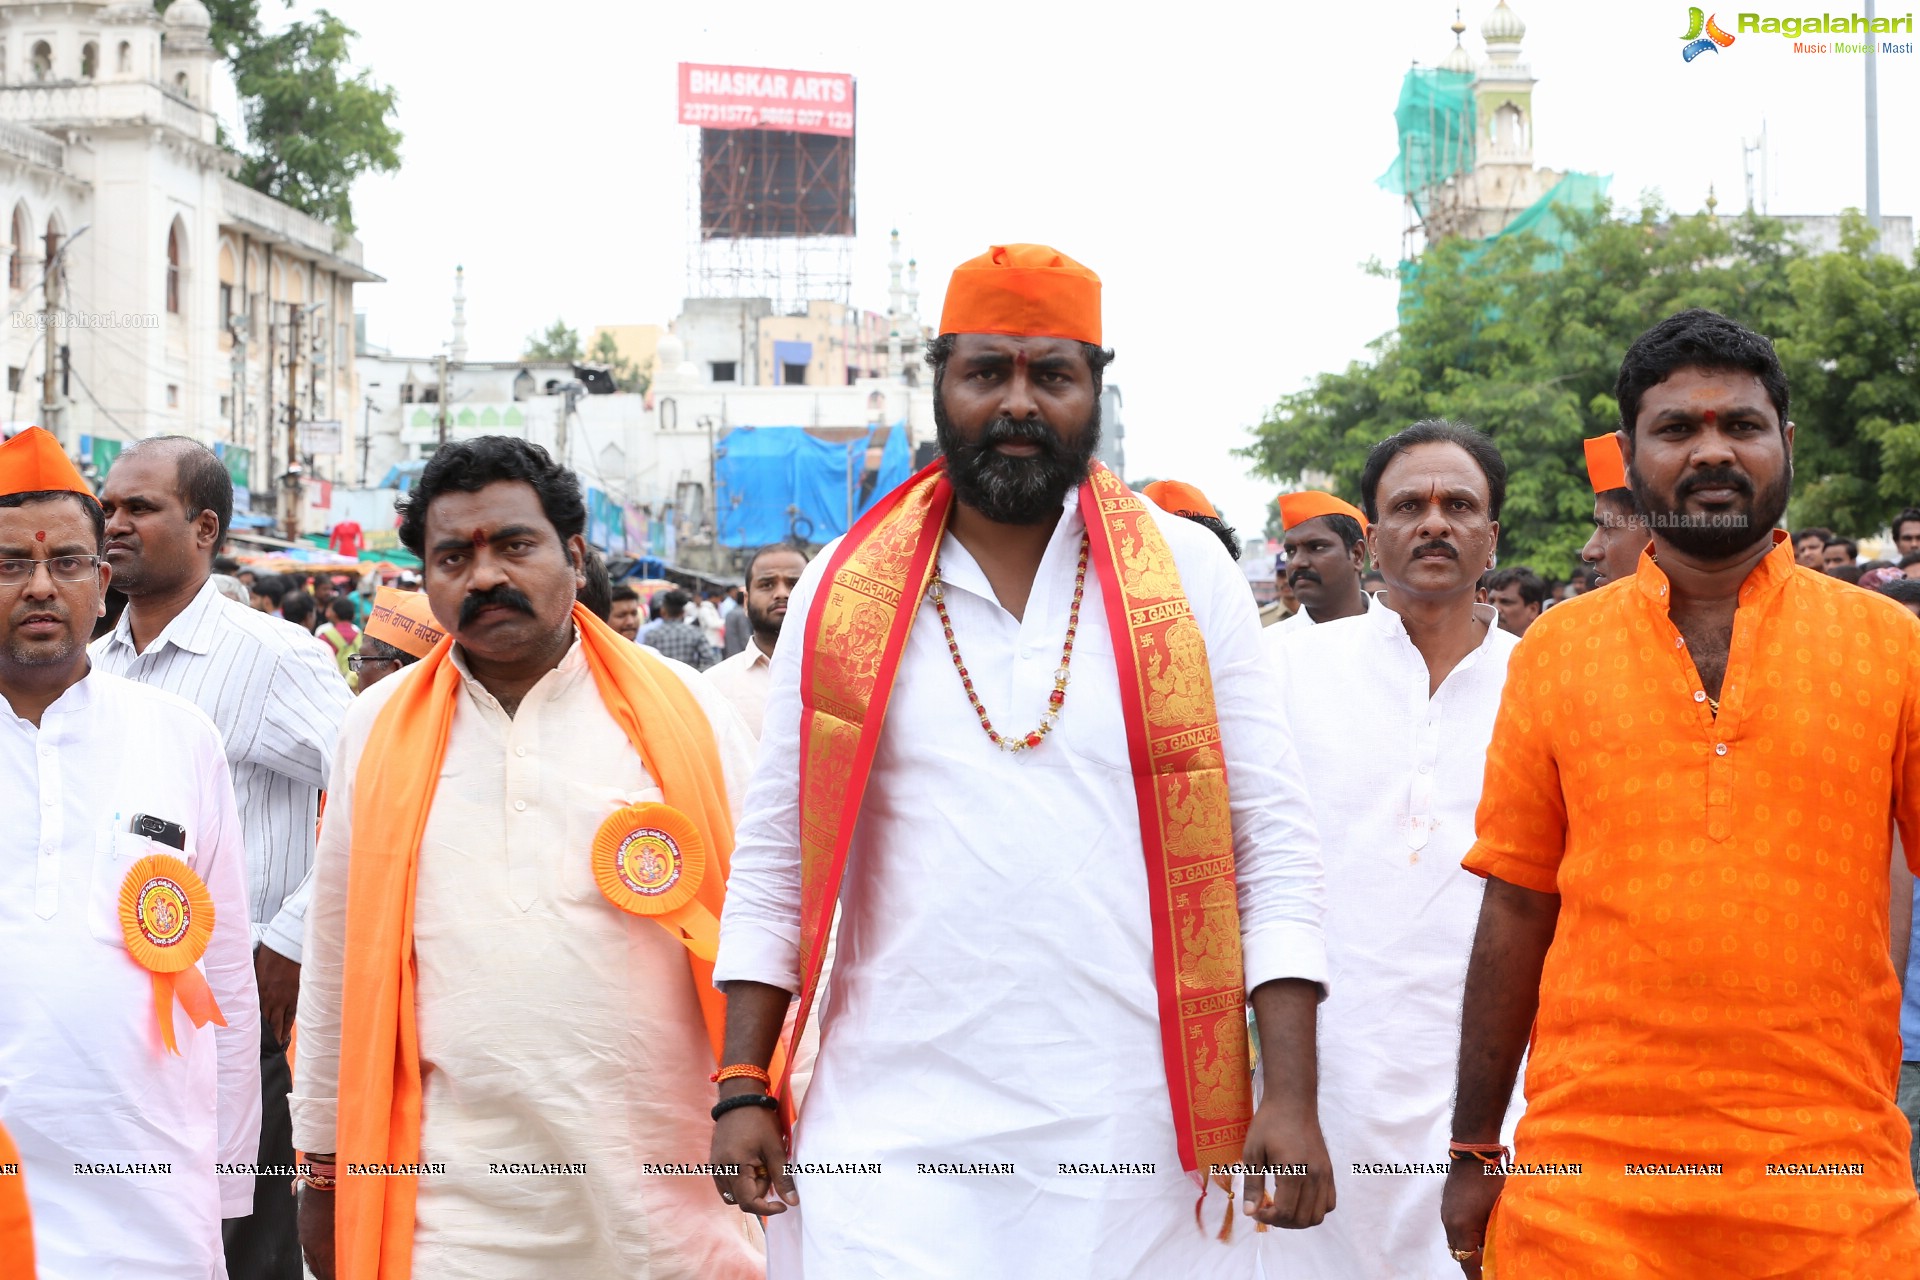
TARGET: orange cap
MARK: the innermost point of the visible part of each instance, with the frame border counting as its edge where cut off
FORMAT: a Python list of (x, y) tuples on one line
[(1606, 466), (1297, 508), (404, 620), (1180, 499), (33, 461), (1025, 290)]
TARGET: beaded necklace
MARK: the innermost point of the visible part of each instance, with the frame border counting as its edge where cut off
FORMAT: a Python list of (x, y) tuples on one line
[(1055, 700)]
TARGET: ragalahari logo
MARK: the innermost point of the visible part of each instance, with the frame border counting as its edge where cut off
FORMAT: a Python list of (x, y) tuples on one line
[(1712, 41)]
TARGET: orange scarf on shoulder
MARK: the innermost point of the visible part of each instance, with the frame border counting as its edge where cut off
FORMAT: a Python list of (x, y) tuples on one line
[(16, 1225), (379, 1116)]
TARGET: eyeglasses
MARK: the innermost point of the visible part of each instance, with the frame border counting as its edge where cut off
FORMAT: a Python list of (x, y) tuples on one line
[(17, 573), (357, 661)]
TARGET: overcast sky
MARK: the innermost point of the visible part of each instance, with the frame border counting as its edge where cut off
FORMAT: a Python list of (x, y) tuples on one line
[(1215, 163)]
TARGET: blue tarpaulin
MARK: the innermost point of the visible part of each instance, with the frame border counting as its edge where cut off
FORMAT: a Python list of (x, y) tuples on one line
[(773, 483)]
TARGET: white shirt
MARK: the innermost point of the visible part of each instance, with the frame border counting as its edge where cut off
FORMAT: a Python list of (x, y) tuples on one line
[(743, 680), (554, 1028), (84, 1077), (1300, 619), (993, 996), (1395, 779), (277, 697)]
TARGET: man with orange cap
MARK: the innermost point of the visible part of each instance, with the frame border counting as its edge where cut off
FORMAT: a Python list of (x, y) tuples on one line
[(400, 631), (1620, 531), (1182, 499), (507, 1025), (1079, 844), (1325, 555), (128, 1021)]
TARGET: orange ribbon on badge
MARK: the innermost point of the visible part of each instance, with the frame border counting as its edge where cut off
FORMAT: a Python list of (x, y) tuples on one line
[(166, 915), (649, 860)]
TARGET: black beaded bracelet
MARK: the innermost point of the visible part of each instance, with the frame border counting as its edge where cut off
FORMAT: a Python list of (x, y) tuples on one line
[(739, 1100)]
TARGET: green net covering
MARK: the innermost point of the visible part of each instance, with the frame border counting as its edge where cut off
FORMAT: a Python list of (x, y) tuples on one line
[(1435, 123)]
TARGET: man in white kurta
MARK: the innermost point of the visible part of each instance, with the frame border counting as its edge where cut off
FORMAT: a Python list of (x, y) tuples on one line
[(1393, 768), (992, 1008), (554, 1030), (121, 1140)]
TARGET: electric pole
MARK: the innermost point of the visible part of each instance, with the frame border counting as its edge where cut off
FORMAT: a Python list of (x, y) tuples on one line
[(49, 313), (295, 492), (1873, 131)]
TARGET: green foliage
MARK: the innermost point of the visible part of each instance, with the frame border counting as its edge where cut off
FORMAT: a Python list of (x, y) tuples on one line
[(557, 343), (1529, 353), (313, 123), (626, 375)]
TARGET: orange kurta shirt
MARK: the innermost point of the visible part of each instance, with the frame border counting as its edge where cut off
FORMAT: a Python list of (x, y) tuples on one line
[(1719, 991)]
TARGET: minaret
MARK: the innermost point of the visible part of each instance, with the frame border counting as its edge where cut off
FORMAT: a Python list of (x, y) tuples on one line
[(915, 335), (1503, 93), (894, 319), (457, 352), (1459, 59)]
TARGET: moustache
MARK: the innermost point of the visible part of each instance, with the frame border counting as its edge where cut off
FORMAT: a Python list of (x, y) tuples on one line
[(1019, 431), (1299, 576), (502, 596), (1438, 544), (1717, 478)]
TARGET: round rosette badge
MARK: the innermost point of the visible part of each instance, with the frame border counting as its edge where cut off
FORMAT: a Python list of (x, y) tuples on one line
[(650, 860), (166, 918)]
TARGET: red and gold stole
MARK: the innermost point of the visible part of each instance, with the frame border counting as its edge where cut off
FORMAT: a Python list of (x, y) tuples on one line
[(855, 634)]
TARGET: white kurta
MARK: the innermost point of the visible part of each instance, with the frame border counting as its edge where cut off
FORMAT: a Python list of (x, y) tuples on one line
[(554, 1028), (1395, 778), (744, 679), (84, 1077), (993, 996), (1301, 620)]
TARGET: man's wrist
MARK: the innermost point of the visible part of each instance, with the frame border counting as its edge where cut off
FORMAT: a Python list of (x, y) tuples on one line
[(741, 1084)]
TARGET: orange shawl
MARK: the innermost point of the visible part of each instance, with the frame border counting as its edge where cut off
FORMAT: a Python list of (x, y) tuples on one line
[(16, 1226), (379, 1118)]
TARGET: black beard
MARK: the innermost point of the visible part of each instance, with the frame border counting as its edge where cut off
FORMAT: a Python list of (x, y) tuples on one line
[(1009, 490), (1737, 530)]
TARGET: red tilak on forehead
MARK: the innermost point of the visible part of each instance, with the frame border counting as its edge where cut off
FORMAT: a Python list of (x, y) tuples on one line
[(1020, 358), (1711, 416), (39, 535), (479, 537)]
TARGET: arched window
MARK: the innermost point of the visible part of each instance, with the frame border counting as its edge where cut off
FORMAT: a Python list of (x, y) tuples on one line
[(22, 246), (89, 60), (180, 85), (173, 269), (42, 60), (126, 58)]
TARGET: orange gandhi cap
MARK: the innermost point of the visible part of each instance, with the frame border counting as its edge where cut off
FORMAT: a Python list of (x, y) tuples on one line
[(1180, 499), (1026, 291), (404, 620), (1606, 466), (1297, 508), (33, 461)]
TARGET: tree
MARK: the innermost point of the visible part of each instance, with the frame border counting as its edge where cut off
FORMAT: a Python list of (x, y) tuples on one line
[(313, 124), (557, 343), (626, 375), (1523, 340)]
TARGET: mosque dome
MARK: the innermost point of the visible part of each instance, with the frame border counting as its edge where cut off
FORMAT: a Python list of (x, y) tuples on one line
[(1503, 26), (188, 15)]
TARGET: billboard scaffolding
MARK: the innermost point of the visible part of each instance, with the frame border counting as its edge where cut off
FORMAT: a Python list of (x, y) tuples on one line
[(770, 195)]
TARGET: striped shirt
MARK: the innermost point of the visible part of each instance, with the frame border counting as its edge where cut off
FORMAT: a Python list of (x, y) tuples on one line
[(278, 701)]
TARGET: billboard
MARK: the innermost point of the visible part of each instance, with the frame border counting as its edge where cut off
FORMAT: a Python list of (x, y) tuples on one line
[(714, 97)]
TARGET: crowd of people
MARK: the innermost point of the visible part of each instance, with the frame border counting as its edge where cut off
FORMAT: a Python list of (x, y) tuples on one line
[(990, 895)]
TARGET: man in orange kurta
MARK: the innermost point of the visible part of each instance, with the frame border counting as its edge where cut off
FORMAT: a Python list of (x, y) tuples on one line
[(1686, 832)]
